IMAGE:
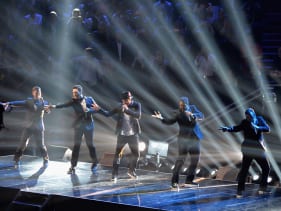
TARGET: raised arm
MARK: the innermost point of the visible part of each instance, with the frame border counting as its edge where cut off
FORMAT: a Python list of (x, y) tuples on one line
[(195, 111), (105, 112), (170, 121), (63, 105), (236, 128), (17, 103), (134, 113)]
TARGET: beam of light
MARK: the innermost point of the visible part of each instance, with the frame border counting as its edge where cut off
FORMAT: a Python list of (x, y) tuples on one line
[(169, 41), (142, 146), (269, 179), (242, 109), (208, 42), (256, 177), (137, 46), (129, 39), (238, 20), (181, 69)]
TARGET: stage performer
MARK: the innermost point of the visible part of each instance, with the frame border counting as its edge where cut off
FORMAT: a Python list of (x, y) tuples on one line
[(188, 139), (252, 148), (35, 109), (83, 125), (2, 109), (128, 113)]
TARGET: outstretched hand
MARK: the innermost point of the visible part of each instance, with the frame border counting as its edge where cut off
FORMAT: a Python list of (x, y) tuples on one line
[(96, 107), (157, 115), (224, 129), (48, 108), (7, 106)]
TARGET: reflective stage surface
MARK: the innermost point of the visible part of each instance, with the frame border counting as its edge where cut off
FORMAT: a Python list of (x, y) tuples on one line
[(151, 189)]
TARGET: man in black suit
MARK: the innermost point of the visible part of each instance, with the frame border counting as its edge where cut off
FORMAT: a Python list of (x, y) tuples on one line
[(253, 148), (83, 125), (2, 109), (127, 130), (35, 109), (188, 139)]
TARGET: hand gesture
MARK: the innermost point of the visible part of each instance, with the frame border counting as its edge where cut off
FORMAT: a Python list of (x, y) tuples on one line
[(47, 108), (188, 113), (5, 106), (157, 115), (224, 129), (124, 107), (96, 107)]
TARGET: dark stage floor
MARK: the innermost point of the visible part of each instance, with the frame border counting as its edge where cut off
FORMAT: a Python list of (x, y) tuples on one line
[(151, 190)]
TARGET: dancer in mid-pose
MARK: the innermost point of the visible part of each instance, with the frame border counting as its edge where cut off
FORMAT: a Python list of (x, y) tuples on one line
[(2, 109), (35, 109), (188, 139), (127, 129), (253, 148), (83, 125)]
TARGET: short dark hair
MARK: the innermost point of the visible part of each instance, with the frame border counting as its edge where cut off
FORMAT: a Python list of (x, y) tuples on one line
[(36, 88), (126, 95), (79, 87)]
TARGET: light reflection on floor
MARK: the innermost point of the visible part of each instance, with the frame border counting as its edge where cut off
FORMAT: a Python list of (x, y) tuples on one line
[(152, 189)]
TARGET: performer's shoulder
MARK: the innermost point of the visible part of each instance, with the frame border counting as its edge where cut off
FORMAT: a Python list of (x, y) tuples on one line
[(89, 98), (260, 118), (136, 103), (193, 107)]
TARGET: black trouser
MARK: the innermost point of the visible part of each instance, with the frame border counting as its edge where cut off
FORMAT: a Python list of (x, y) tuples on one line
[(133, 142), (252, 152), (88, 134), (38, 135), (185, 146)]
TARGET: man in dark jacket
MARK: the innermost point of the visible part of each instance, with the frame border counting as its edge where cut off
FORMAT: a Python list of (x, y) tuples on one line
[(2, 109), (252, 148), (83, 125), (188, 139), (127, 129), (34, 107)]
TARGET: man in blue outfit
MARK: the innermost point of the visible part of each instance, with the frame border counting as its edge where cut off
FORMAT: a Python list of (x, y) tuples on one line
[(83, 125), (188, 139), (34, 107), (252, 148)]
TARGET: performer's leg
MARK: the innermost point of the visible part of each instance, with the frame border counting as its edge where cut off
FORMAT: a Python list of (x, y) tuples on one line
[(23, 143), (180, 161), (40, 143), (1, 116), (263, 162), (246, 162), (133, 142), (194, 159), (78, 133), (176, 172), (89, 134), (121, 141)]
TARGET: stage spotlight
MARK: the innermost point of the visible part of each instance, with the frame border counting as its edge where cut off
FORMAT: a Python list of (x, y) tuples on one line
[(142, 146), (256, 177), (269, 179), (67, 155), (213, 173)]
